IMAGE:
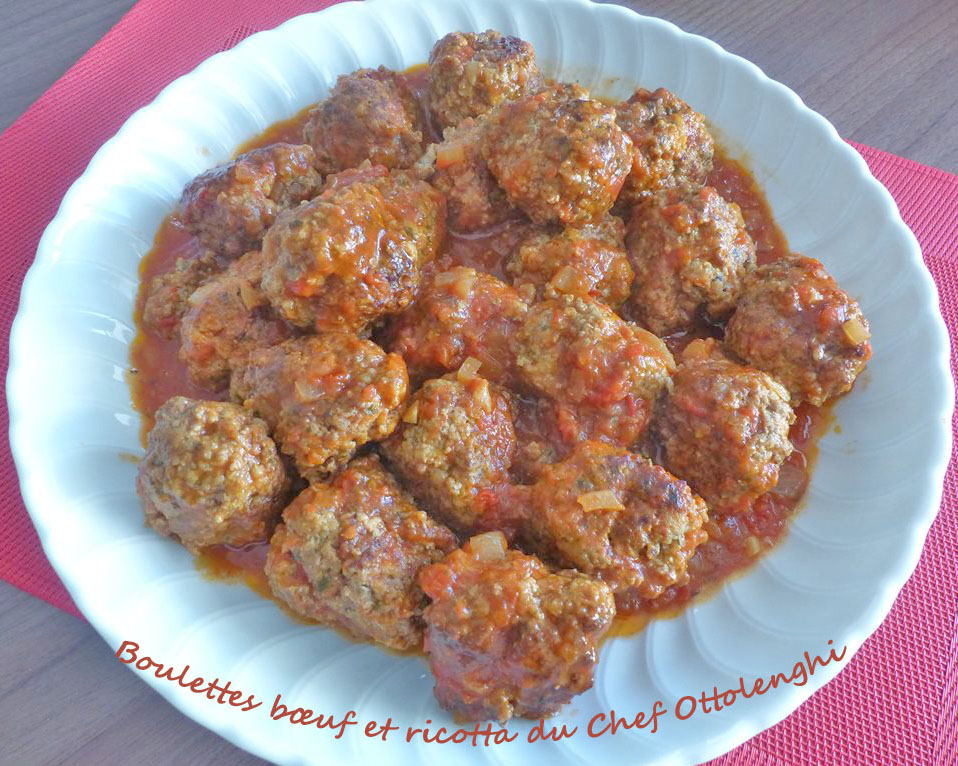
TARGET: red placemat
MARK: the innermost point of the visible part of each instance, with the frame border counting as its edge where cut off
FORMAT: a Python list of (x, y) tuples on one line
[(895, 703)]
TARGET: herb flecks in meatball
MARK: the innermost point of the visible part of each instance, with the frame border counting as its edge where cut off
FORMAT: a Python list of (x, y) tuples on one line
[(230, 207), (603, 373), (354, 254), (505, 636), (469, 74), (795, 323), (691, 253), (226, 319), (211, 475), (589, 261), (457, 168), (348, 551), (671, 145), (324, 396), (612, 514), (369, 115), (558, 155), (455, 444), (460, 313), (724, 429)]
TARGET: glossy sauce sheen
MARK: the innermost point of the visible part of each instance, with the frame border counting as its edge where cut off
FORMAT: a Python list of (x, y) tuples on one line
[(734, 542)]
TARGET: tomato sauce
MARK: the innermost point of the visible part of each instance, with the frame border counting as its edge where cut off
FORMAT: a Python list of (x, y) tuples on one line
[(734, 542), (156, 372), (243, 564), (288, 131), (734, 182)]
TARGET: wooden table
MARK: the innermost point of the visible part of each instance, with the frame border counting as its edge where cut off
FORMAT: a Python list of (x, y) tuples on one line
[(882, 71)]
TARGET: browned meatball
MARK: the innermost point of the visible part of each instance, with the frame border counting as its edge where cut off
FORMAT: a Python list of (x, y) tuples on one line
[(612, 514), (469, 74), (353, 254), (794, 322), (724, 429), (348, 552), (505, 636), (369, 115), (460, 313), (558, 155), (589, 261), (456, 439), (604, 372), (691, 253), (167, 295), (211, 475), (324, 396), (671, 143), (456, 167), (230, 207), (227, 318)]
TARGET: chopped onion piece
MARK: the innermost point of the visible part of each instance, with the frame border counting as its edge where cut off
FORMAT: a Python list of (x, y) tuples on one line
[(855, 331), (481, 395), (250, 296), (450, 154), (444, 278), (411, 415), (752, 545), (564, 279), (489, 546), (792, 481), (459, 280), (468, 369), (700, 350), (201, 293), (305, 391), (600, 500)]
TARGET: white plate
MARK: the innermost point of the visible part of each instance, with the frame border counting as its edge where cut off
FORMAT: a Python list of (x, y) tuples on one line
[(873, 495)]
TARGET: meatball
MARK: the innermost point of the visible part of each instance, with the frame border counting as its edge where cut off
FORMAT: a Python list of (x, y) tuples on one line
[(369, 115), (460, 313), (324, 396), (724, 429), (613, 514), (230, 207), (211, 475), (671, 145), (456, 167), (366, 172), (469, 74), (348, 551), (353, 254), (558, 155), (691, 253), (226, 319), (505, 636), (167, 294), (603, 372), (795, 323), (589, 261), (456, 439)]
